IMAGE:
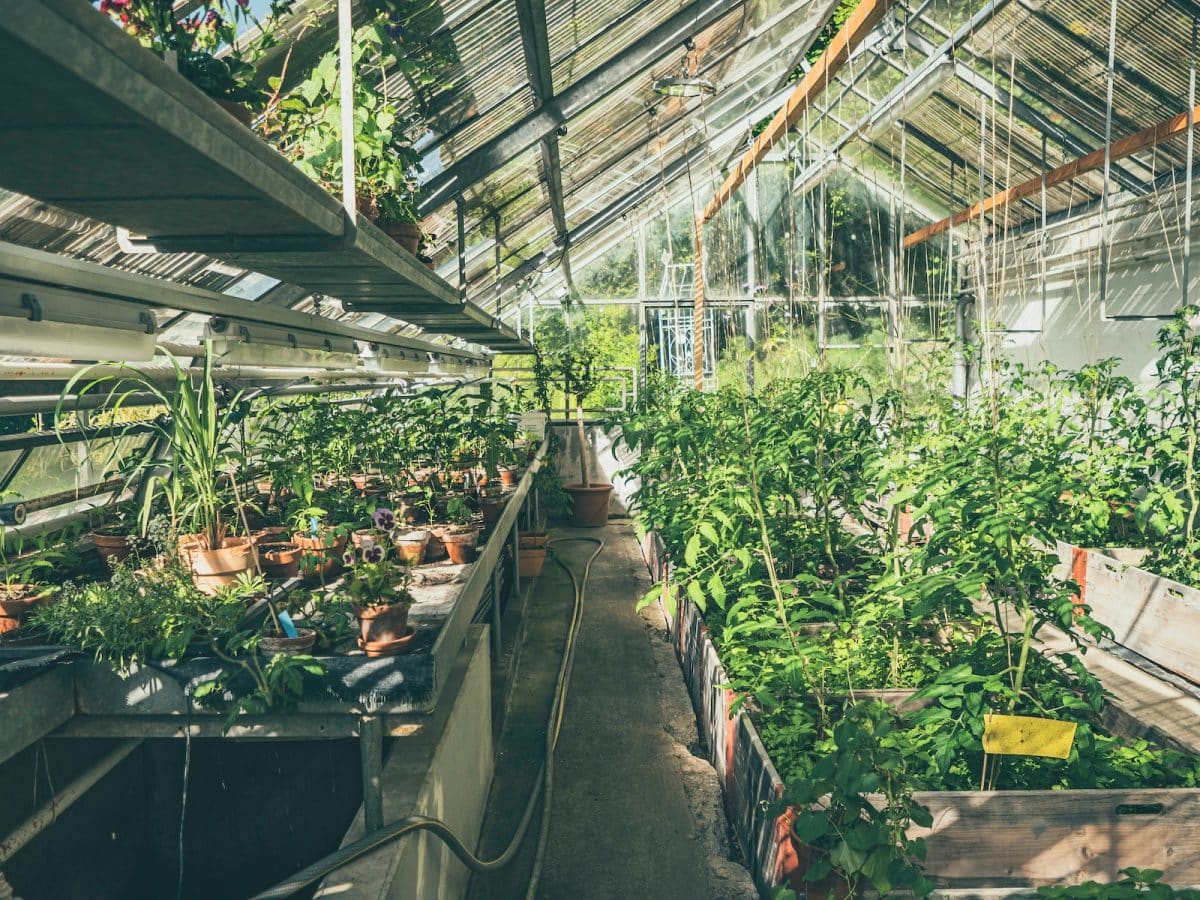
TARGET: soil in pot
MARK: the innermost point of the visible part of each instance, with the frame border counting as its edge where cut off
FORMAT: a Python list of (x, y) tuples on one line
[(589, 504), (272, 644), (280, 560), (112, 548), (214, 569), (410, 547), (460, 545), (382, 624)]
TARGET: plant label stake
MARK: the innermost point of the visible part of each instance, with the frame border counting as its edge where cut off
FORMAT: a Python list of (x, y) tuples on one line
[(1027, 736), (286, 624)]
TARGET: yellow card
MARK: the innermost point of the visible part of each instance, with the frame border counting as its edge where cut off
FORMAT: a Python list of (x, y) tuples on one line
[(1027, 736)]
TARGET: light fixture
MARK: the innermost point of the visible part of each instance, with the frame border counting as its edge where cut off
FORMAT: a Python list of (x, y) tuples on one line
[(683, 85), (240, 343), (55, 323), (816, 173), (393, 361), (913, 95)]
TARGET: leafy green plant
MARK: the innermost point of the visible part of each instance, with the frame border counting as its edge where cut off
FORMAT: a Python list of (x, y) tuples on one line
[(1136, 885)]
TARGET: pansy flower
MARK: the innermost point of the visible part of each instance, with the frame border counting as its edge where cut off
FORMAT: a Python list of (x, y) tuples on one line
[(384, 519)]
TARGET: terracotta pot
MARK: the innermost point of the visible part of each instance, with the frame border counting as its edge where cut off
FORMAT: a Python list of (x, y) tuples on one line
[(112, 548), (365, 483), (411, 547), (508, 476), (320, 555), (18, 599), (492, 507), (239, 111), (435, 550), (272, 644), (589, 506), (460, 545), (271, 534), (531, 561), (280, 560), (9, 624), (406, 234), (361, 535), (213, 569), (400, 645), (382, 624)]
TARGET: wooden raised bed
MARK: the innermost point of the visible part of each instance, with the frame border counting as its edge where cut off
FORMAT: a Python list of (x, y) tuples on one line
[(1002, 840), (1153, 616)]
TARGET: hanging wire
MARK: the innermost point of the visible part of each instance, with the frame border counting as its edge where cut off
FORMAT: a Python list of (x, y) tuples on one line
[(1108, 123)]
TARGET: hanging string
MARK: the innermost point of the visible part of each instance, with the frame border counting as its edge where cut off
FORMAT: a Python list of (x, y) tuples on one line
[(1190, 162), (1108, 122)]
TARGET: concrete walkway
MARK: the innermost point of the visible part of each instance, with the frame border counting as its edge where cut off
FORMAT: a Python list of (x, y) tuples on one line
[(635, 813)]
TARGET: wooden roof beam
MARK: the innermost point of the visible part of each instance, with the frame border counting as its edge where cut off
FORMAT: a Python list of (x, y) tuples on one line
[(860, 24), (1127, 146)]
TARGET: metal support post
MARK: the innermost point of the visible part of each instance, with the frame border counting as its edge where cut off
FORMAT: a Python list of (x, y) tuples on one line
[(496, 638), (370, 748), (345, 22), (515, 537)]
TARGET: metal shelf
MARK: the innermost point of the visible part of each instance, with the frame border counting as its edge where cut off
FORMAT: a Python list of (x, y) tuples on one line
[(95, 124)]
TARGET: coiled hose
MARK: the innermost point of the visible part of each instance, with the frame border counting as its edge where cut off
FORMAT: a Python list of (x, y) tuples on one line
[(543, 789)]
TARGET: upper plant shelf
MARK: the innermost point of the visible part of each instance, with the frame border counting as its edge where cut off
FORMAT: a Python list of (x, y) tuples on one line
[(93, 123)]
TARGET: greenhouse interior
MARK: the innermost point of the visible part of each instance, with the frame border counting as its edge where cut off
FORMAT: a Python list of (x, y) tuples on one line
[(669, 449)]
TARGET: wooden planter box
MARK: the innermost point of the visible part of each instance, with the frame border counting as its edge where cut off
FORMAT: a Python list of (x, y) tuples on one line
[(1153, 616), (1005, 840)]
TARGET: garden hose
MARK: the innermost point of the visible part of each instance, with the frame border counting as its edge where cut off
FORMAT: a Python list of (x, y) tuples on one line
[(542, 789)]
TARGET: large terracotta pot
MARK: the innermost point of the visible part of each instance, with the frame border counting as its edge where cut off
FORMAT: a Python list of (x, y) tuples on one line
[(508, 476), (214, 569), (589, 506), (382, 624), (460, 545)]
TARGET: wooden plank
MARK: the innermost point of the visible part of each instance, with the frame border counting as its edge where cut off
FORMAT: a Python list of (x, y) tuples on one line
[(1151, 615), (1031, 838), (1127, 146), (861, 22)]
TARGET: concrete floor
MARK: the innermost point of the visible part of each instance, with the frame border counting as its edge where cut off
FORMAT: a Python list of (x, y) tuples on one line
[(635, 812)]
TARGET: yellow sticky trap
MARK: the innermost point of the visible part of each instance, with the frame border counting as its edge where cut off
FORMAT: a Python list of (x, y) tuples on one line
[(1027, 736)]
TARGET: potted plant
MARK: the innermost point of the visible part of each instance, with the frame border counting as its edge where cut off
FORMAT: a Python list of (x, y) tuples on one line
[(589, 507), (203, 41), (377, 587), (549, 498), (321, 544), (306, 127), (197, 475), (280, 559), (461, 536)]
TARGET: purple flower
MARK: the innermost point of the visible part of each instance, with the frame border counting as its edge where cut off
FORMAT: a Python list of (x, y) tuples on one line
[(384, 519), (373, 553), (348, 558)]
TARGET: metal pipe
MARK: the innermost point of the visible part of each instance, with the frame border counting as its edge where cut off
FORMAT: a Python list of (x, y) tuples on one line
[(49, 812), (345, 23), (960, 372)]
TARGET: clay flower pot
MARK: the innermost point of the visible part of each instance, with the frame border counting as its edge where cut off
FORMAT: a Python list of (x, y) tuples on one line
[(410, 547), (112, 548), (382, 624), (460, 543), (280, 560), (589, 504), (492, 506), (320, 555), (374, 649), (435, 550), (531, 552), (214, 569), (508, 476), (273, 644), (365, 483)]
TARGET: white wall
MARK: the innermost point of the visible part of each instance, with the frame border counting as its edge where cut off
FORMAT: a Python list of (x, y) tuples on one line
[(1145, 270)]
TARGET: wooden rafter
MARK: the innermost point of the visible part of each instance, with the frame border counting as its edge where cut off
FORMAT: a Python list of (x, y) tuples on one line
[(1127, 146), (857, 27)]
